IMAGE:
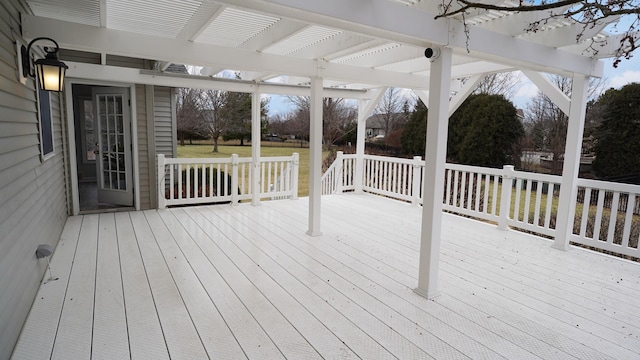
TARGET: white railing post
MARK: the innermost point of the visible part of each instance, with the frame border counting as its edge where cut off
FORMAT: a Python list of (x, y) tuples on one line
[(416, 183), (162, 202), (505, 195), (234, 179), (339, 175), (294, 176)]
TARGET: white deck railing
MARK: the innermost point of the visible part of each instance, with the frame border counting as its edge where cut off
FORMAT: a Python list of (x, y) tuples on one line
[(521, 200), (612, 221), (184, 181)]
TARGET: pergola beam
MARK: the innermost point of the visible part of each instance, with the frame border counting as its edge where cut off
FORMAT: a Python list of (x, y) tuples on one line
[(463, 94), (548, 88), (282, 30), (206, 14), (90, 38), (148, 77)]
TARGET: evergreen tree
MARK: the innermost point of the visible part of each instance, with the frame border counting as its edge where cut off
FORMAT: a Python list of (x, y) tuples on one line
[(618, 136), (483, 132), (415, 131)]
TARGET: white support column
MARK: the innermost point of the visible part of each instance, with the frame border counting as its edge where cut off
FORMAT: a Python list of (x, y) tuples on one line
[(433, 183), (360, 139), (256, 127), (315, 157), (571, 167), (364, 110)]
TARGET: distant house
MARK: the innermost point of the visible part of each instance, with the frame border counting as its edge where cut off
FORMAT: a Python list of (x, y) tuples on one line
[(376, 124)]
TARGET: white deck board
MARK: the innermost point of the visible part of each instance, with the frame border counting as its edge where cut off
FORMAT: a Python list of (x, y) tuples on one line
[(146, 340), (247, 282), (39, 331), (321, 338), (255, 342), (402, 315), (183, 341), (110, 336), (73, 340)]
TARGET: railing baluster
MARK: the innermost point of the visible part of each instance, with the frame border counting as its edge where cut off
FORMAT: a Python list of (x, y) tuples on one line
[(494, 200), (463, 189), (598, 220), (516, 207), (549, 207), (485, 196), (448, 194), (478, 191), (171, 179), (470, 191), (527, 203), (586, 204), (537, 204), (455, 188), (628, 219), (613, 216), (179, 181)]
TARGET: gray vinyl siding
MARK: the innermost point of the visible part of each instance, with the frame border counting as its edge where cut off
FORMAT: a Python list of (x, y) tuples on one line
[(33, 202), (164, 121)]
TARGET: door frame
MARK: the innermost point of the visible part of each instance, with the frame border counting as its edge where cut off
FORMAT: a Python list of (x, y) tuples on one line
[(71, 151)]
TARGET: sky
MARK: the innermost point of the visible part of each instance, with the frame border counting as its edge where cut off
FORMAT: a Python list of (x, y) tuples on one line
[(628, 71)]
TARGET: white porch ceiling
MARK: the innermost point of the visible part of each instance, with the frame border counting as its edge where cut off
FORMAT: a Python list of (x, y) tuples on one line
[(356, 43)]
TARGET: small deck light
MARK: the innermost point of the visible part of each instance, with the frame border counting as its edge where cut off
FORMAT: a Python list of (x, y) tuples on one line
[(50, 70)]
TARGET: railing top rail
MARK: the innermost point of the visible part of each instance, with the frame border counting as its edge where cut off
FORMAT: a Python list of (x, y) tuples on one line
[(228, 160), (329, 171), (537, 176), (169, 161), (274, 158), (608, 185), (474, 169), (389, 159)]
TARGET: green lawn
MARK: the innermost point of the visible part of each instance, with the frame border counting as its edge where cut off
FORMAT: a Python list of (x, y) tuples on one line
[(225, 151)]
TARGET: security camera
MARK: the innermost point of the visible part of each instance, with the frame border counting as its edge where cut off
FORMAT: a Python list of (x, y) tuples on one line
[(431, 53)]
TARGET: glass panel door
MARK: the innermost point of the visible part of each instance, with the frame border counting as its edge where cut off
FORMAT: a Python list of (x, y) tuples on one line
[(114, 144)]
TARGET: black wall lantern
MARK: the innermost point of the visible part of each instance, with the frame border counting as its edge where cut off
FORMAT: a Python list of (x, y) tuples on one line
[(50, 70)]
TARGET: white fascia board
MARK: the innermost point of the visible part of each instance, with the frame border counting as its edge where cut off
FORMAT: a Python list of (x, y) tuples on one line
[(89, 38), (404, 24), (148, 77)]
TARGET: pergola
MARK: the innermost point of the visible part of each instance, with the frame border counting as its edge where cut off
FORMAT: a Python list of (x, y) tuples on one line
[(335, 48)]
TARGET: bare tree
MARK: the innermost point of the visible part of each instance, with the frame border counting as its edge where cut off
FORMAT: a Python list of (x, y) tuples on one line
[(214, 123), (189, 114), (389, 111), (336, 113), (505, 84), (548, 124), (588, 13)]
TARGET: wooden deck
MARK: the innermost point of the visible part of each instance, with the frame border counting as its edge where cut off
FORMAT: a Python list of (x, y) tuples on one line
[(226, 282)]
